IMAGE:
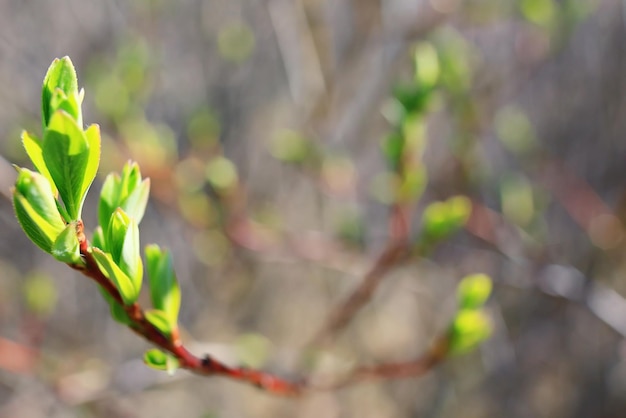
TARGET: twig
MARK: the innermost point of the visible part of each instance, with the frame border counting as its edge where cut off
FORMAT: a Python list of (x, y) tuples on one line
[(206, 365)]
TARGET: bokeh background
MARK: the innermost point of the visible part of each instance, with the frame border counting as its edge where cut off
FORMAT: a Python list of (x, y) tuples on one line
[(285, 102)]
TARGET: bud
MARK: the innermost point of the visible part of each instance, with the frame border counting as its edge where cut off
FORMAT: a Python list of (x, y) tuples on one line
[(36, 209), (470, 328)]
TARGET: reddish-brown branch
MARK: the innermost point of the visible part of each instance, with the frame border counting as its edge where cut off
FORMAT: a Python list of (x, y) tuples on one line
[(140, 325), (209, 366), (396, 251), (413, 368)]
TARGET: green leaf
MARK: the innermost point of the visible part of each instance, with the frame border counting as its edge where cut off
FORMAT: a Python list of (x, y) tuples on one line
[(66, 248), (69, 104), (426, 64), (393, 147), (135, 203), (221, 173), (470, 328), (98, 239), (473, 291), (123, 245), (32, 145), (164, 289), (92, 134), (36, 209), (127, 192), (60, 75), (66, 155), (161, 321), (117, 311), (159, 360), (122, 282), (109, 199), (440, 219), (291, 147)]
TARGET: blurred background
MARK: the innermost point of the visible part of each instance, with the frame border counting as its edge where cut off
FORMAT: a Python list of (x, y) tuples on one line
[(262, 125)]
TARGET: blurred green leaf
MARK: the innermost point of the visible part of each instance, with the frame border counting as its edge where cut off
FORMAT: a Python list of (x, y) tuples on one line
[(539, 12), (426, 64), (393, 147), (518, 203), (412, 97), (39, 293), (161, 321), (291, 147), (159, 360), (473, 291), (440, 219), (221, 173), (468, 330), (412, 184), (515, 130), (164, 289)]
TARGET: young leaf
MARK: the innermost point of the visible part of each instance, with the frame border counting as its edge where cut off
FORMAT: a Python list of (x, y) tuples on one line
[(32, 145), (122, 282), (470, 328), (135, 203), (66, 155), (69, 104), (92, 134), (109, 199), (473, 291), (161, 321), (123, 244), (159, 360), (98, 239), (60, 75), (66, 248), (36, 209), (164, 289), (127, 192)]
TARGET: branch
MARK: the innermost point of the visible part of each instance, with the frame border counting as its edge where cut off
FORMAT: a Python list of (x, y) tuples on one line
[(206, 365)]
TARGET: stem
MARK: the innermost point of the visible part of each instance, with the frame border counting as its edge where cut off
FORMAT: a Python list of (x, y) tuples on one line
[(207, 365)]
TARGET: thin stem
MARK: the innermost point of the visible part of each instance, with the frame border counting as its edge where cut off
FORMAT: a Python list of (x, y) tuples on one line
[(207, 365)]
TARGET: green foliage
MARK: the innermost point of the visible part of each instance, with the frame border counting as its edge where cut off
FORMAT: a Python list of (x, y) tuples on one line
[(164, 290), (39, 294), (66, 247), (468, 330), (472, 325), (440, 219), (473, 291), (222, 174), (159, 360), (36, 209), (123, 283), (60, 91), (48, 204), (161, 321), (128, 192)]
